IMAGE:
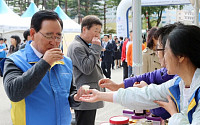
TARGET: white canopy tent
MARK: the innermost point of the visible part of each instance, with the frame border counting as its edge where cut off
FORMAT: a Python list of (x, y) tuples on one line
[(69, 26), (9, 21), (20, 24), (12, 24), (27, 15)]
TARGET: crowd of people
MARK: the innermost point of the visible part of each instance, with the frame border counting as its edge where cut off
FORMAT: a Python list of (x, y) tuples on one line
[(43, 84), (179, 96), (15, 44)]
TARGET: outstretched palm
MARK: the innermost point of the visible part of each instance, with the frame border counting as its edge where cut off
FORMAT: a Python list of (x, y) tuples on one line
[(91, 96)]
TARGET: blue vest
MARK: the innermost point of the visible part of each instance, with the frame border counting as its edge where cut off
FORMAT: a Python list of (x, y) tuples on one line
[(48, 104), (193, 102), (3, 53)]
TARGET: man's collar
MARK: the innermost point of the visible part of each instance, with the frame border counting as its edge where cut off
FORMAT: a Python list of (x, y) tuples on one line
[(83, 41), (36, 51)]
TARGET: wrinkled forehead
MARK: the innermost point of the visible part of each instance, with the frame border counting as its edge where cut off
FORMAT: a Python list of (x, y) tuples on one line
[(47, 24)]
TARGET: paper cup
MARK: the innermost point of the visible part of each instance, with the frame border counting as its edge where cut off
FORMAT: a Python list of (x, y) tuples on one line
[(86, 87)]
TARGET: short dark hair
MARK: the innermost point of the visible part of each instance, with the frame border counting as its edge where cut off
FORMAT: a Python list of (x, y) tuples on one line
[(163, 32), (185, 41), (1, 38), (121, 38), (4, 39), (150, 37), (26, 34), (42, 15), (89, 21), (106, 35), (17, 38)]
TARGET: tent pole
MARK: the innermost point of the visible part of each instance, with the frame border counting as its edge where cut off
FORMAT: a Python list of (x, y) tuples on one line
[(196, 10), (137, 38)]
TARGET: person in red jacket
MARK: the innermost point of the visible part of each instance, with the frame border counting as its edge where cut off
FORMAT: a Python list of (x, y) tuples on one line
[(123, 58)]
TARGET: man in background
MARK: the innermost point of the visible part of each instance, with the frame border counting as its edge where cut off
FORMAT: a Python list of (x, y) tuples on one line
[(85, 52), (106, 57), (113, 48), (3, 49), (27, 38)]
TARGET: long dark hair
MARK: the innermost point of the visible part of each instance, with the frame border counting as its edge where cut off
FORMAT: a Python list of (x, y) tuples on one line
[(18, 41), (185, 41), (150, 37), (163, 32)]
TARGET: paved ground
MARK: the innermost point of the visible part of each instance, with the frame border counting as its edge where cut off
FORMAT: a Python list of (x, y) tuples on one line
[(103, 114), (4, 106), (110, 109)]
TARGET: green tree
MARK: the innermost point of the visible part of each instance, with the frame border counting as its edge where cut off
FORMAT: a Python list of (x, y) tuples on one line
[(19, 5), (112, 3), (87, 7), (148, 11), (108, 4)]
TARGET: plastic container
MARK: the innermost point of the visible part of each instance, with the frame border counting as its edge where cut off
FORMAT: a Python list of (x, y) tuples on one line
[(128, 113), (86, 87), (149, 122), (156, 120), (140, 112), (144, 122), (119, 120), (134, 117)]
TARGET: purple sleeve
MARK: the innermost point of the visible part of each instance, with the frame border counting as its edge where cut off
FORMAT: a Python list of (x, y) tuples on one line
[(157, 77)]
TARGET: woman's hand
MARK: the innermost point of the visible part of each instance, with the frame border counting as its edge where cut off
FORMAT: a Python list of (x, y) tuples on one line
[(140, 84), (92, 95), (169, 106), (109, 84)]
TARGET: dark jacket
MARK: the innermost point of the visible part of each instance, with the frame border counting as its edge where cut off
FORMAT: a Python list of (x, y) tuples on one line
[(86, 68), (107, 54)]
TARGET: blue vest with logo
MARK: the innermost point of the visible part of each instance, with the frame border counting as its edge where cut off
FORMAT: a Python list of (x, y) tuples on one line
[(48, 104), (193, 102)]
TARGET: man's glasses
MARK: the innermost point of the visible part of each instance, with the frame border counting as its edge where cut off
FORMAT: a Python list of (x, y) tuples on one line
[(51, 37)]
